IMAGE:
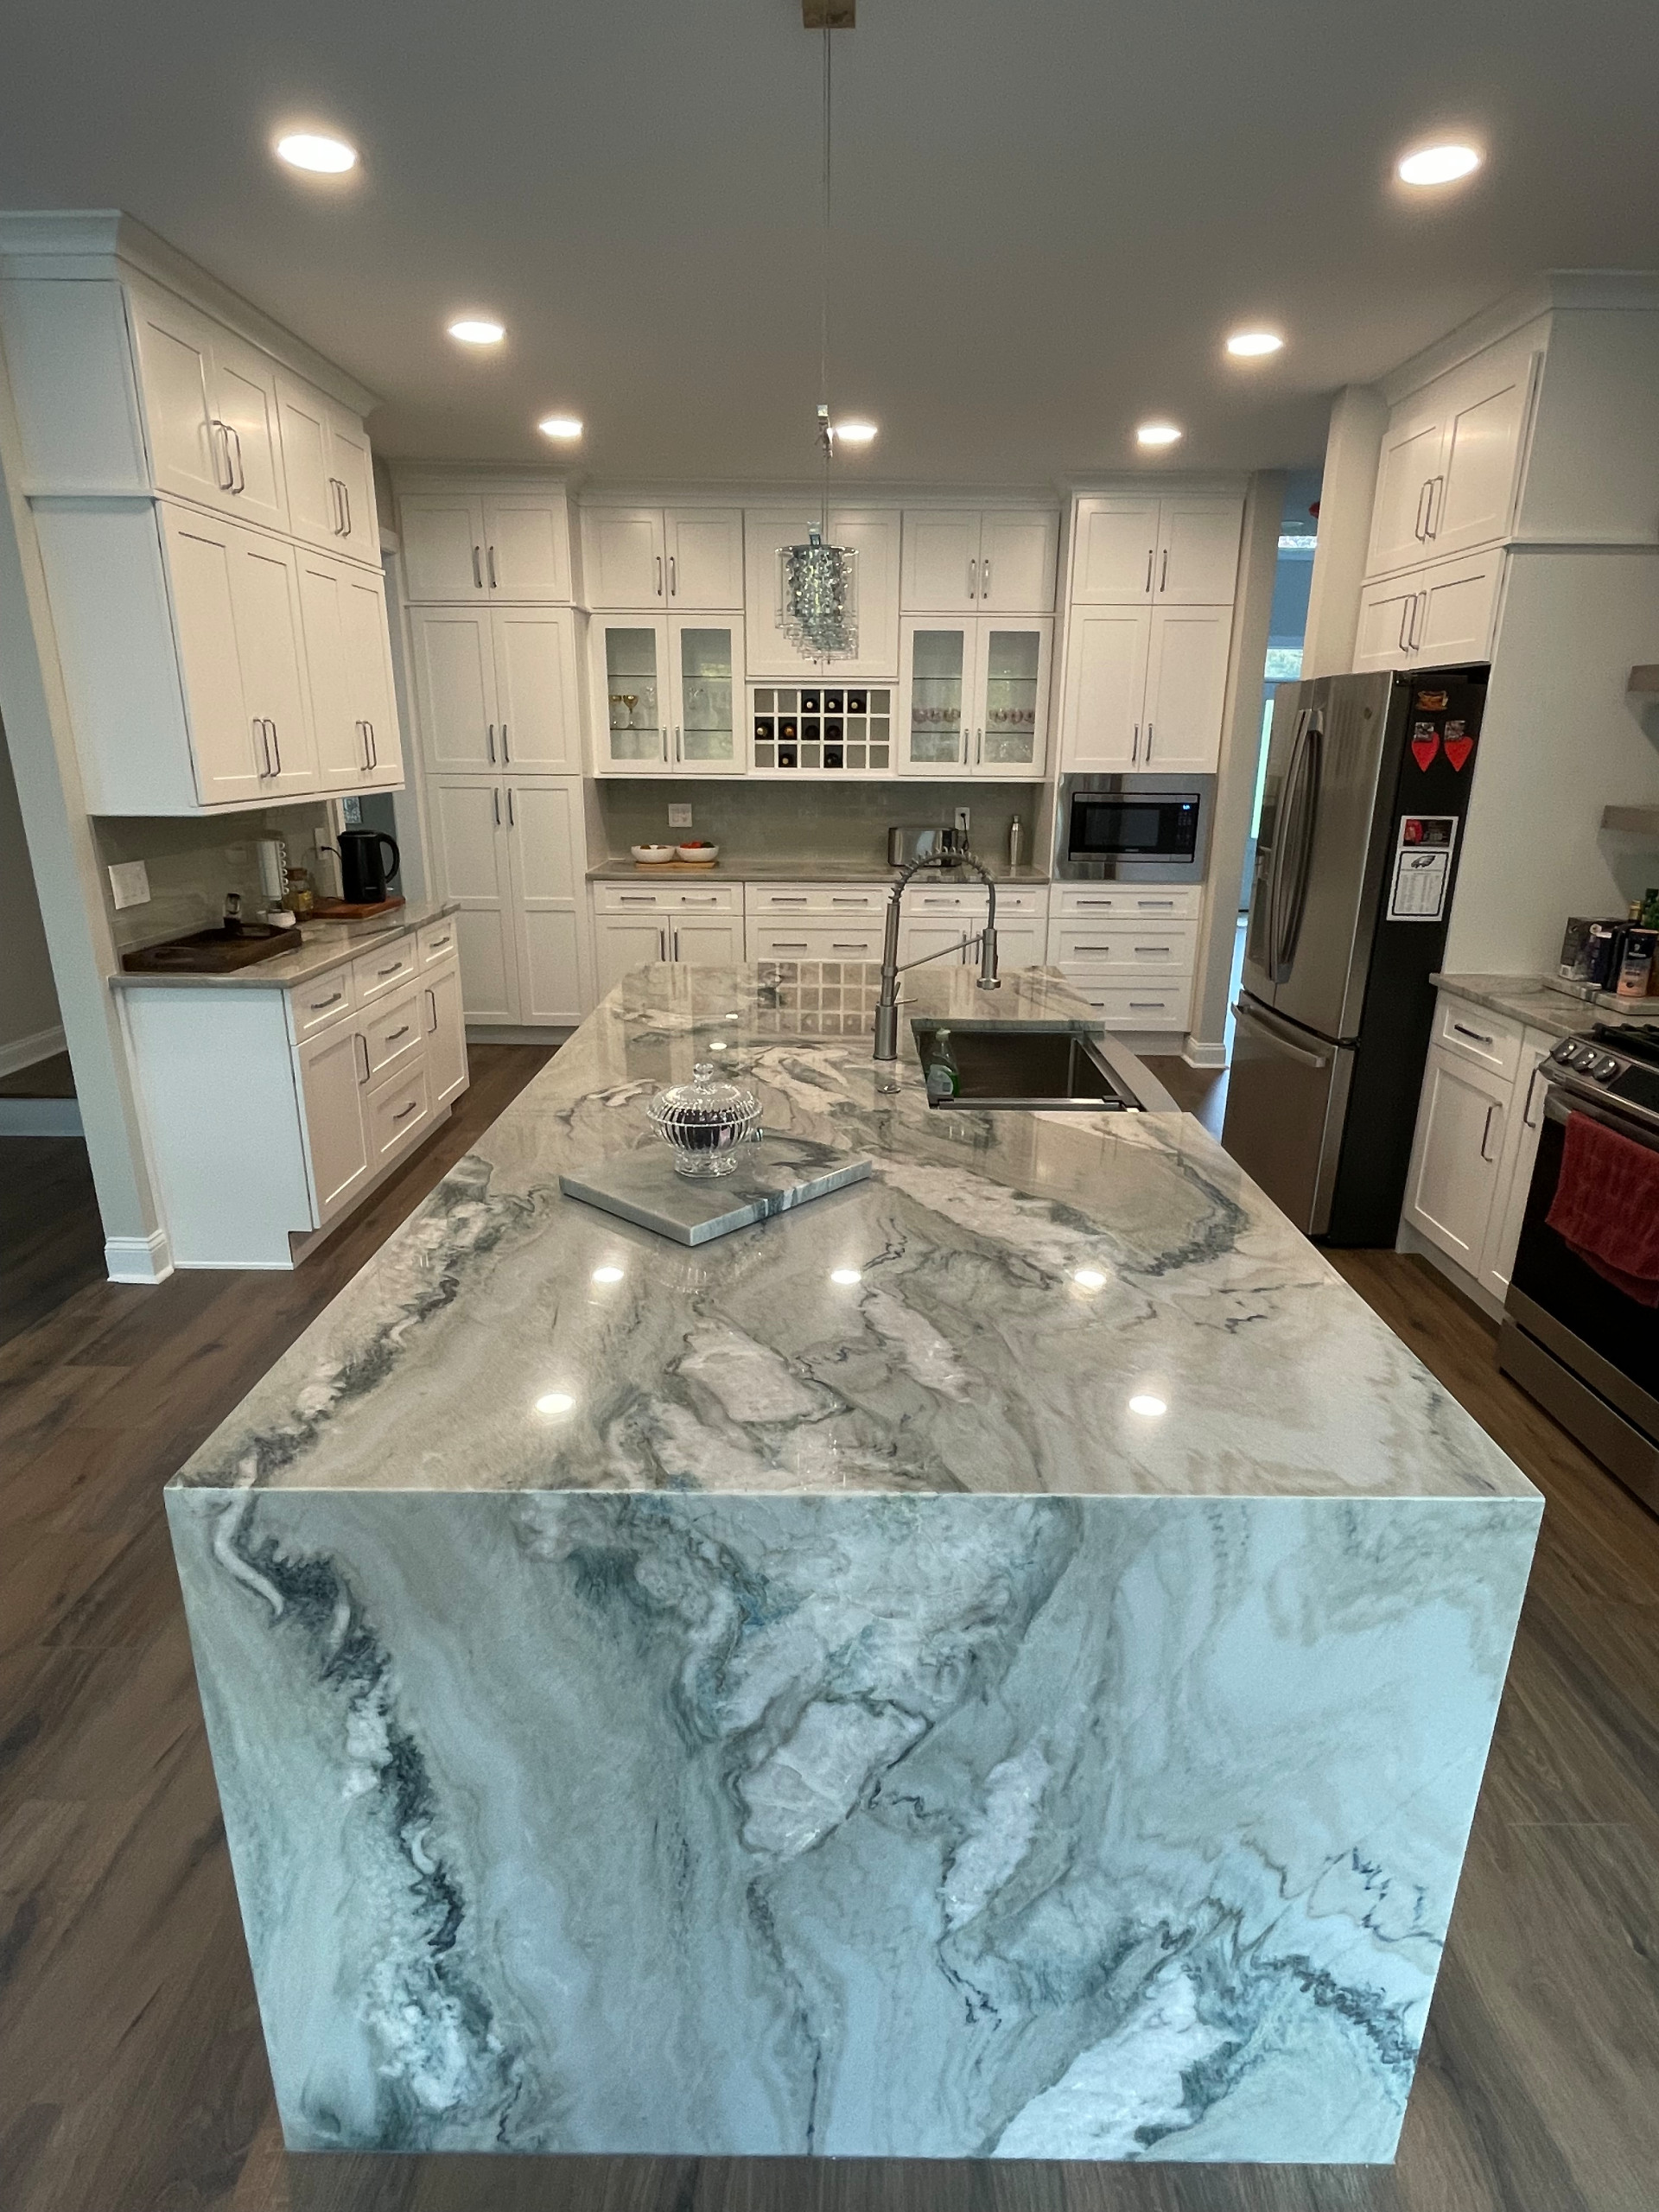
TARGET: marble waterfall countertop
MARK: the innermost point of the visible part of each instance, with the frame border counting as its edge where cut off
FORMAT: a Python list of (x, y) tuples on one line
[(672, 1701), (732, 868), (324, 945), (1529, 999), (968, 1358)]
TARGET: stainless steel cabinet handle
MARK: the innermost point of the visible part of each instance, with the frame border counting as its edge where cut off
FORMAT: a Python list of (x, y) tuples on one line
[(374, 748), (643, 899), (662, 941), (512, 819), (358, 1037), (1406, 607), (664, 744), (849, 902), (345, 507), (334, 999), (686, 899), (506, 755), (677, 740), (392, 970), (1436, 512), (1527, 1115), (1479, 1035), (788, 944), (277, 747), (858, 944), (973, 567), (1163, 572), (394, 1034), (404, 1112), (985, 579), (362, 729), (788, 899), (219, 439), (478, 570), (673, 578), (258, 726), (1419, 608), (496, 796), (1486, 1130), (1147, 1006), (659, 576), (1419, 526), (1148, 741), (235, 437), (490, 552), (432, 1000), (1146, 905), (1135, 748), (1151, 550), (489, 739), (1164, 949), (675, 935)]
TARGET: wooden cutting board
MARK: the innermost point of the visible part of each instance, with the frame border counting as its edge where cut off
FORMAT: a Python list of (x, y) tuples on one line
[(345, 910)]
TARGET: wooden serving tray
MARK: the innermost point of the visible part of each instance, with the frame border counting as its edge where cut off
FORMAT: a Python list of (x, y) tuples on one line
[(345, 910), (674, 867)]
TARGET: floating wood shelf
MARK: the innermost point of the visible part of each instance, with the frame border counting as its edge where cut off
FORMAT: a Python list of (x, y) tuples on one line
[(1645, 677), (1641, 821)]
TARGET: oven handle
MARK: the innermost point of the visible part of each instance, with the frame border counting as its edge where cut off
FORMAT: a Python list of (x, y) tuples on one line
[(1561, 1102)]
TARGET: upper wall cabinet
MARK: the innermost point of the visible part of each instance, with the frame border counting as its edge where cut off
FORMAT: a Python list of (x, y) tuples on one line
[(210, 410), (873, 533), (1145, 688), (503, 544), (1451, 459), (329, 473), (994, 561), (497, 688), (652, 560), (1181, 549)]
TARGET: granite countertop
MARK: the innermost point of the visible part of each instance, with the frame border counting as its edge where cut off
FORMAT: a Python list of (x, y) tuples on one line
[(800, 869), (1529, 999), (326, 944), (1023, 1278)]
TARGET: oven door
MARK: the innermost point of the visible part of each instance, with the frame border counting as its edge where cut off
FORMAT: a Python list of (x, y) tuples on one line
[(1609, 1340)]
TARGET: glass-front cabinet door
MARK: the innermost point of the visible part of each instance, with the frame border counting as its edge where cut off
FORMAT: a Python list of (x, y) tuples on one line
[(937, 696), (707, 735), (631, 664), (1010, 698)]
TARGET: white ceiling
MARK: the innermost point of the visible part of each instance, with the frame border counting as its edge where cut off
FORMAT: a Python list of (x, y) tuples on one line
[(1049, 212)]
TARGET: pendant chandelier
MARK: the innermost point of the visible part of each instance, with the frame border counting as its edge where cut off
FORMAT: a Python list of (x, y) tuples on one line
[(817, 582)]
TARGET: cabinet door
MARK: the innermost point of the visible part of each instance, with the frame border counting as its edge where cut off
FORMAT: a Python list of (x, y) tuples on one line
[(706, 942), (935, 694), (442, 535), (1019, 944), (351, 466), (302, 418), (1197, 552), (1485, 406), (469, 827), (767, 651), (536, 701), (706, 662), (873, 534), (447, 1073), (187, 454), (332, 1074), (1382, 634), (526, 551), (1406, 469), (1456, 608), (245, 400), (939, 573), (265, 597), (1454, 1162), (622, 942), (1016, 560), (1186, 687), (368, 665), (1010, 706), (705, 556), (1115, 551), (342, 740), (920, 940), (1513, 1179), (1104, 693), (454, 686), (630, 695), (549, 893), (201, 557), (623, 560)]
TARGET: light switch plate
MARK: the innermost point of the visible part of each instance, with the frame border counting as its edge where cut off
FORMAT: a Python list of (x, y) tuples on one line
[(129, 881), (679, 817)]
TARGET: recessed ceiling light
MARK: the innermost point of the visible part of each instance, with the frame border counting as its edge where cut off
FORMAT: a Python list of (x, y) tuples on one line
[(846, 1276), (1437, 164), (556, 1401), (1249, 345), (854, 434), (477, 330), (560, 426), (1150, 1407), (1157, 433), (311, 149)]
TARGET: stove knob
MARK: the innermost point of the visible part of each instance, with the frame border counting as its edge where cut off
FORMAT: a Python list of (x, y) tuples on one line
[(1606, 1067), (1581, 1056)]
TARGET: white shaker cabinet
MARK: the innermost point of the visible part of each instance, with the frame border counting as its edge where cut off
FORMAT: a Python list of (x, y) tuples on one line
[(469, 829), (969, 561), (1115, 550), (347, 650), (511, 852), (667, 694), (1181, 547), (874, 534), (1103, 694), (1145, 688), (210, 410), (1450, 459), (1433, 616), (333, 1068), (973, 696), (328, 472), (651, 559), (1186, 687), (275, 696), (625, 941), (1197, 551), (446, 1034), (498, 688), (470, 546)]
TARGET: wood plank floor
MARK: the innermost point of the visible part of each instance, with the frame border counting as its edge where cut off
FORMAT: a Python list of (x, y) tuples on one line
[(132, 2077)]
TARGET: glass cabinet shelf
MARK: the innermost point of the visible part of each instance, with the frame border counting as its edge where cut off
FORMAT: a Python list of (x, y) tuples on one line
[(822, 729)]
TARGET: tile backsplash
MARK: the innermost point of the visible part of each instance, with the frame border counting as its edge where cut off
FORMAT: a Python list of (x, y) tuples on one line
[(192, 864), (815, 820)]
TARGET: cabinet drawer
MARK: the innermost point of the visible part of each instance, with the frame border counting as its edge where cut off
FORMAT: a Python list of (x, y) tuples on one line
[(382, 971), (814, 940), (394, 1110), (317, 1005), (1491, 1040), (1154, 1004), (438, 938), (1126, 902), (667, 898), (825, 898), (1021, 902), (391, 1028), (1125, 949)]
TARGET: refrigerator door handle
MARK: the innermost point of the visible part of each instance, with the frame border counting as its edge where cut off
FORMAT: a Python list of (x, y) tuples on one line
[(1284, 817), (1303, 810), (1270, 1028)]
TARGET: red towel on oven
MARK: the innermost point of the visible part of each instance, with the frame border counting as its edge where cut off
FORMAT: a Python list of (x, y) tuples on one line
[(1606, 1206)]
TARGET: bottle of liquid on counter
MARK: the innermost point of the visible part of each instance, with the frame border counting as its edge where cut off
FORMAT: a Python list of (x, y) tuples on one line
[(1016, 844), (1636, 958), (943, 1075)]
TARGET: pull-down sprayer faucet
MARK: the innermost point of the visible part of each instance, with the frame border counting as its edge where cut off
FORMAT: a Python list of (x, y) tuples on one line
[(887, 1009)]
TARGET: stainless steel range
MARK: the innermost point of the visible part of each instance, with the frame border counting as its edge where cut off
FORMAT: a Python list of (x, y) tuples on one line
[(1584, 1347)]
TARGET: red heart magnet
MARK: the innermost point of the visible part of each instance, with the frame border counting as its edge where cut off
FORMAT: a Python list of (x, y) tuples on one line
[(1458, 750), (1423, 749)]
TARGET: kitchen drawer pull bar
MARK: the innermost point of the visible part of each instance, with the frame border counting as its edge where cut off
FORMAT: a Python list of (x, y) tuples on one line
[(788, 944), (1154, 947), (1479, 1038), (392, 1035), (392, 970), (1147, 1006), (405, 1112), (315, 1006)]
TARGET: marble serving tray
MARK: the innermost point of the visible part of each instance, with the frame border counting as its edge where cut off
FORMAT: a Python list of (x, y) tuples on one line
[(773, 1174)]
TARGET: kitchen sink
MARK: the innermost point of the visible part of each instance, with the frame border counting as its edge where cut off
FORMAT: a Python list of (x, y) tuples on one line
[(1026, 1070)]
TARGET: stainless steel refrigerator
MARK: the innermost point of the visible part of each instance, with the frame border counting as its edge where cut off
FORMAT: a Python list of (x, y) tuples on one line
[(1362, 809)]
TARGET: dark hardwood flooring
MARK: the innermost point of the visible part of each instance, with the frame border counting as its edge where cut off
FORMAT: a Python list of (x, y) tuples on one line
[(51, 1078), (51, 1238), (132, 2077)]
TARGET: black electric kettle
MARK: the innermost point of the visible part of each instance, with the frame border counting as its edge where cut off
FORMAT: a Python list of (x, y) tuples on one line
[(362, 873)]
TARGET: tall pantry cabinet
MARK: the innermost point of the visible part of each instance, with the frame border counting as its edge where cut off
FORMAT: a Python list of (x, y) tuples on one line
[(494, 644)]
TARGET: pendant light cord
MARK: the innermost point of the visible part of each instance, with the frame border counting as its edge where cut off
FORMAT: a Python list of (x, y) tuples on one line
[(823, 283)]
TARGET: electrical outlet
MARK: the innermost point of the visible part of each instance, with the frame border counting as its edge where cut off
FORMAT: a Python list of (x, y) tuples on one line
[(130, 882), (679, 817), (962, 820)]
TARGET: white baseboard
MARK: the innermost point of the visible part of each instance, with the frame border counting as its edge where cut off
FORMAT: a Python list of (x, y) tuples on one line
[(1198, 1054), (23, 1052), (138, 1259), (1411, 1239), (518, 1032), (39, 1117)]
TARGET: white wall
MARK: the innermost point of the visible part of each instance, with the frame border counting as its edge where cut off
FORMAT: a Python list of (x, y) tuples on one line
[(1563, 738), (29, 1026), (1358, 418)]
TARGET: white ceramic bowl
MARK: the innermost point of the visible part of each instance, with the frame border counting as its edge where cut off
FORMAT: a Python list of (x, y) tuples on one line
[(698, 852), (653, 855)]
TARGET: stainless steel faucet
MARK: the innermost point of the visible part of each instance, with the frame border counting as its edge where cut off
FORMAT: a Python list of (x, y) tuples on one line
[(887, 1007)]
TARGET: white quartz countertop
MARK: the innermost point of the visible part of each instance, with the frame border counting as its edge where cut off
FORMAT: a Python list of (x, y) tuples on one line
[(1022, 1281), (731, 868), (1529, 999), (325, 946)]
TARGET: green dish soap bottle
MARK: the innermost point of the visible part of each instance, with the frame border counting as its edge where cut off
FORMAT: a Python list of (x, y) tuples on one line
[(943, 1075)]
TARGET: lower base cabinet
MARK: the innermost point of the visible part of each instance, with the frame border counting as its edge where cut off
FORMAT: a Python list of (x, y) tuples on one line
[(511, 853)]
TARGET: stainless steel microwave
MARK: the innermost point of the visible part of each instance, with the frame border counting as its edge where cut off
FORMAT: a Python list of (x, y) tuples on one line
[(1134, 828)]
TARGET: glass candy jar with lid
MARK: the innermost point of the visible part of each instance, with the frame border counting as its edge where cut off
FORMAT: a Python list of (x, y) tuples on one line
[(704, 1121)]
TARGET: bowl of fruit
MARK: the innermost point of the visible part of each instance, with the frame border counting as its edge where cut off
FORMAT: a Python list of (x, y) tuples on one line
[(699, 852), (653, 855)]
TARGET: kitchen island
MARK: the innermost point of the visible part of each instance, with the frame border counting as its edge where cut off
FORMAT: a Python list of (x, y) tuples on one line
[(998, 1662)]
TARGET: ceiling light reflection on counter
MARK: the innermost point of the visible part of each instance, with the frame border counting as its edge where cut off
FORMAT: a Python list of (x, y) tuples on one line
[(1089, 1279), (477, 330), (1148, 1406), (560, 426), (608, 1275), (556, 1401), (318, 154), (1253, 345), (1437, 164), (846, 1276), (1157, 433)]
